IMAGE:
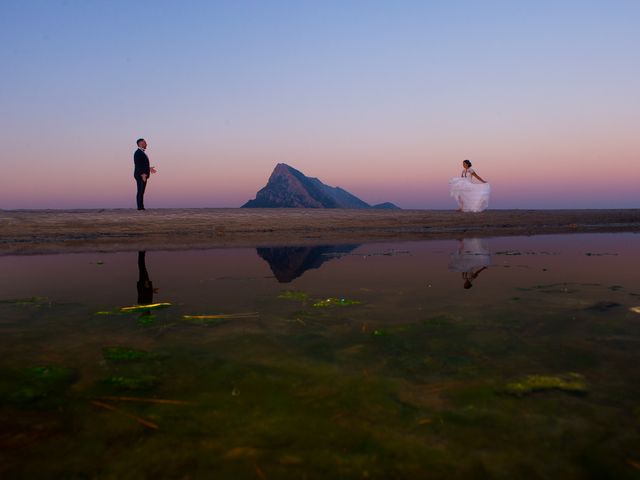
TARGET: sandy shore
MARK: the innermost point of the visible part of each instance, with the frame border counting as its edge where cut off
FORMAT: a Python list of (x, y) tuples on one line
[(57, 231)]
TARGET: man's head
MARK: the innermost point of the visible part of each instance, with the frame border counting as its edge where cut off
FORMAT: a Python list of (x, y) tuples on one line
[(141, 143)]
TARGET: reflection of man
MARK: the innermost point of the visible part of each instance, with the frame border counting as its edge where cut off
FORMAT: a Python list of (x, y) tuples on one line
[(471, 258), (145, 287), (141, 171)]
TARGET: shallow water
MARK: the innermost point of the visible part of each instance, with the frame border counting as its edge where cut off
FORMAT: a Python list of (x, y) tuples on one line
[(479, 358)]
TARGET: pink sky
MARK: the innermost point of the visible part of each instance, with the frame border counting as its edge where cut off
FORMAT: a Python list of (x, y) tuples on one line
[(534, 172)]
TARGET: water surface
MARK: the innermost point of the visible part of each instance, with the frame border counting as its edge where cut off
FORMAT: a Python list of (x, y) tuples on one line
[(475, 358)]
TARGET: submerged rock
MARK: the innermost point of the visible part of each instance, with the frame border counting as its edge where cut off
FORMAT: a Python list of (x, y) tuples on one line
[(604, 306)]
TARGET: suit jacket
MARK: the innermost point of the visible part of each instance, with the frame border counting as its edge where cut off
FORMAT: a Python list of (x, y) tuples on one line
[(141, 162)]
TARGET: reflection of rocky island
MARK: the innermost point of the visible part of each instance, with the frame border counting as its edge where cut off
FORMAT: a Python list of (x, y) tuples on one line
[(290, 188), (471, 258), (288, 263)]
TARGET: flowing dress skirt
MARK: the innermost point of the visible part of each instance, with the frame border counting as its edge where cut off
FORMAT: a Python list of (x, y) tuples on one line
[(472, 253), (471, 197)]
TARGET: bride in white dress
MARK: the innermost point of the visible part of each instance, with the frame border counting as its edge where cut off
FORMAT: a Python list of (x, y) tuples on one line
[(470, 195)]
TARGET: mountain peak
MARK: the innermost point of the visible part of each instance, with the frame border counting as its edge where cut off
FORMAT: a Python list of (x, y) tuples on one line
[(290, 188), (282, 169)]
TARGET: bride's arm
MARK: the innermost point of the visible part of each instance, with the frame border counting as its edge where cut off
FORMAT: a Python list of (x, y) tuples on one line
[(478, 177)]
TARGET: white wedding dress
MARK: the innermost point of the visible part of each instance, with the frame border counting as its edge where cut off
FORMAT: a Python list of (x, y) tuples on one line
[(471, 197), (472, 253)]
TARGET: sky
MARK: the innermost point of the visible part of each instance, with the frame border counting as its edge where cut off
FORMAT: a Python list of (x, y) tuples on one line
[(382, 98)]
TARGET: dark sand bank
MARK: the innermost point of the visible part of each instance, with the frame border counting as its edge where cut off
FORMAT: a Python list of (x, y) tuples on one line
[(53, 231)]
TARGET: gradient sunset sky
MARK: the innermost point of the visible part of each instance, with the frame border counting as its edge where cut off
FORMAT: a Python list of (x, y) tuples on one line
[(382, 98)]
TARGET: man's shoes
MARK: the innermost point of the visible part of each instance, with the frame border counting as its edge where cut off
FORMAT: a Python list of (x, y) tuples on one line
[(142, 208)]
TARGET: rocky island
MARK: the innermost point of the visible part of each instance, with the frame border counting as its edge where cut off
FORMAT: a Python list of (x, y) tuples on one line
[(290, 188)]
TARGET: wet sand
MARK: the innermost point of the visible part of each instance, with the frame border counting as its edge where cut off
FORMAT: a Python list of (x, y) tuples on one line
[(67, 231)]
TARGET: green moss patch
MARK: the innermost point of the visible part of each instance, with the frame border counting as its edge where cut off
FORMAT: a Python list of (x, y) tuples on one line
[(141, 382), (573, 383), (125, 354)]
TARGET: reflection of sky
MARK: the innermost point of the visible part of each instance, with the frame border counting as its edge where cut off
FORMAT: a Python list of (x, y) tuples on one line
[(396, 276), (383, 99)]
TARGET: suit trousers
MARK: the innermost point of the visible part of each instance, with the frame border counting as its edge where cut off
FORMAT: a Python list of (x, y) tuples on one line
[(142, 185)]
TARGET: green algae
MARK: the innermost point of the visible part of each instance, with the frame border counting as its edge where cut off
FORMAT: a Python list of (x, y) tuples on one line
[(216, 318), (125, 354), (144, 308), (304, 297), (135, 309), (204, 321), (335, 302), (134, 383), (573, 383), (36, 383), (294, 295), (300, 296), (146, 319), (37, 301)]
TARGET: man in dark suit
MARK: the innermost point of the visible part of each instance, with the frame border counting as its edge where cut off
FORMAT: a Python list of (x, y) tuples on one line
[(142, 171)]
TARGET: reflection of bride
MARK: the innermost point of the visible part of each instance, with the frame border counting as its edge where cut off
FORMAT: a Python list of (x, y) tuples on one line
[(471, 197), (471, 258)]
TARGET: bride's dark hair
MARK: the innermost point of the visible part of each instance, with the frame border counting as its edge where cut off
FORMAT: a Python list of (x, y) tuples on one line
[(467, 162)]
